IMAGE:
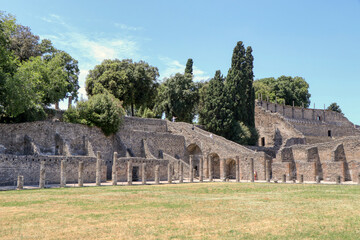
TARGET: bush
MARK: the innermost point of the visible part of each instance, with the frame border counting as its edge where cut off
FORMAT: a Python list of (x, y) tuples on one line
[(245, 135), (101, 110)]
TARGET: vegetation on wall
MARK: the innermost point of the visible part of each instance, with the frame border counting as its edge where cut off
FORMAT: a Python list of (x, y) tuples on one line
[(101, 110), (285, 90)]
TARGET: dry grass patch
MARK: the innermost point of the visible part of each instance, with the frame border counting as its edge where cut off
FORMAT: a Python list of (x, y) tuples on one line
[(187, 211)]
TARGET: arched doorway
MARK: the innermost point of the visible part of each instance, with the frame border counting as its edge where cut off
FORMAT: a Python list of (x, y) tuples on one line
[(230, 168), (215, 165), (194, 149)]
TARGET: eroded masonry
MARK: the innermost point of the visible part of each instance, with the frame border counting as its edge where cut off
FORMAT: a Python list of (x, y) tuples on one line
[(295, 144)]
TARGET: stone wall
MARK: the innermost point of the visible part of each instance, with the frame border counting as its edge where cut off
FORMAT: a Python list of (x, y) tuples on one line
[(29, 166)]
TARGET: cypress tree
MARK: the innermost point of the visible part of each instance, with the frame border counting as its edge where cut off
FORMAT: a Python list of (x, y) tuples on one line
[(236, 83), (216, 114), (189, 67), (250, 92)]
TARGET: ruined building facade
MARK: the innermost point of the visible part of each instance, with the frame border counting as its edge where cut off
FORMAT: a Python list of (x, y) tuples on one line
[(293, 141)]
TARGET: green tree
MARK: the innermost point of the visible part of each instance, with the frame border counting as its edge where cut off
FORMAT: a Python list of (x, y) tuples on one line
[(284, 89), (189, 67), (216, 114), (101, 110), (177, 96), (131, 82), (334, 107)]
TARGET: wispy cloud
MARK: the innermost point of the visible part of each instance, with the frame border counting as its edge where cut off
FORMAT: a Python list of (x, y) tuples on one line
[(127, 27), (90, 49), (174, 66)]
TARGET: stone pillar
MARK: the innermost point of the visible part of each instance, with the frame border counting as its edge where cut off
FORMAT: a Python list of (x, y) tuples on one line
[(20, 183), (181, 173), (81, 173), (191, 172), (169, 172), (63, 174), (317, 179), (359, 178), (98, 168), (252, 179), (267, 169), (157, 178), (129, 172), (222, 169), (338, 179), (114, 170), (284, 178), (42, 175), (143, 173), (206, 169), (210, 168), (301, 178), (237, 169), (201, 169), (70, 100)]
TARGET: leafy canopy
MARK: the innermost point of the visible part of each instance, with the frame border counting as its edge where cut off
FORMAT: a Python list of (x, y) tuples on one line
[(131, 82), (101, 110), (284, 90)]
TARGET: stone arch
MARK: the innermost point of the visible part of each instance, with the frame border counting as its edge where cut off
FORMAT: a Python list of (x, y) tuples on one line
[(230, 168), (195, 150), (215, 165)]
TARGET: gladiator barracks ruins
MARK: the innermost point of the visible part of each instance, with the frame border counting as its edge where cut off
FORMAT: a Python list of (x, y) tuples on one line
[(295, 144)]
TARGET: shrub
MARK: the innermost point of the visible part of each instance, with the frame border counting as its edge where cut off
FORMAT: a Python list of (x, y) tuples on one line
[(101, 110)]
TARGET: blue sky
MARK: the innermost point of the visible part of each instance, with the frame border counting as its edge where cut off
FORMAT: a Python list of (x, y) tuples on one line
[(318, 40)]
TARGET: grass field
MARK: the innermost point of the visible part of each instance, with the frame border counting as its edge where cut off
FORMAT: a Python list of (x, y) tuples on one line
[(183, 211)]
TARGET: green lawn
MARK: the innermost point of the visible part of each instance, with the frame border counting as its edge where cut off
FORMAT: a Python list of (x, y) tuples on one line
[(183, 211)]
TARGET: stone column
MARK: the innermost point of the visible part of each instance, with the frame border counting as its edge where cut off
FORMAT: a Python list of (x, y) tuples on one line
[(20, 182), (114, 170), (157, 178), (201, 169), (206, 166), (317, 179), (359, 178), (301, 178), (210, 168), (237, 169), (81, 174), (181, 172), (338, 179), (63, 174), (222, 169), (169, 172), (129, 172), (252, 179), (191, 172), (42, 175), (98, 168), (284, 178), (143, 173), (267, 163)]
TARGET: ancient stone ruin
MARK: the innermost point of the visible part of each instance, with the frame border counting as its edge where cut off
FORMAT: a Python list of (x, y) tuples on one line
[(295, 144)]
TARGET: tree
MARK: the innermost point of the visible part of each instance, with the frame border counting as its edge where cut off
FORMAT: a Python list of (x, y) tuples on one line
[(101, 110), (177, 96), (216, 114), (334, 107), (284, 89), (131, 82), (189, 67)]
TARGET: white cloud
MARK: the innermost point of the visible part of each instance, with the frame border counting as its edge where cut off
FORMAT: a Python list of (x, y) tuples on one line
[(127, 27), (174, 66)]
